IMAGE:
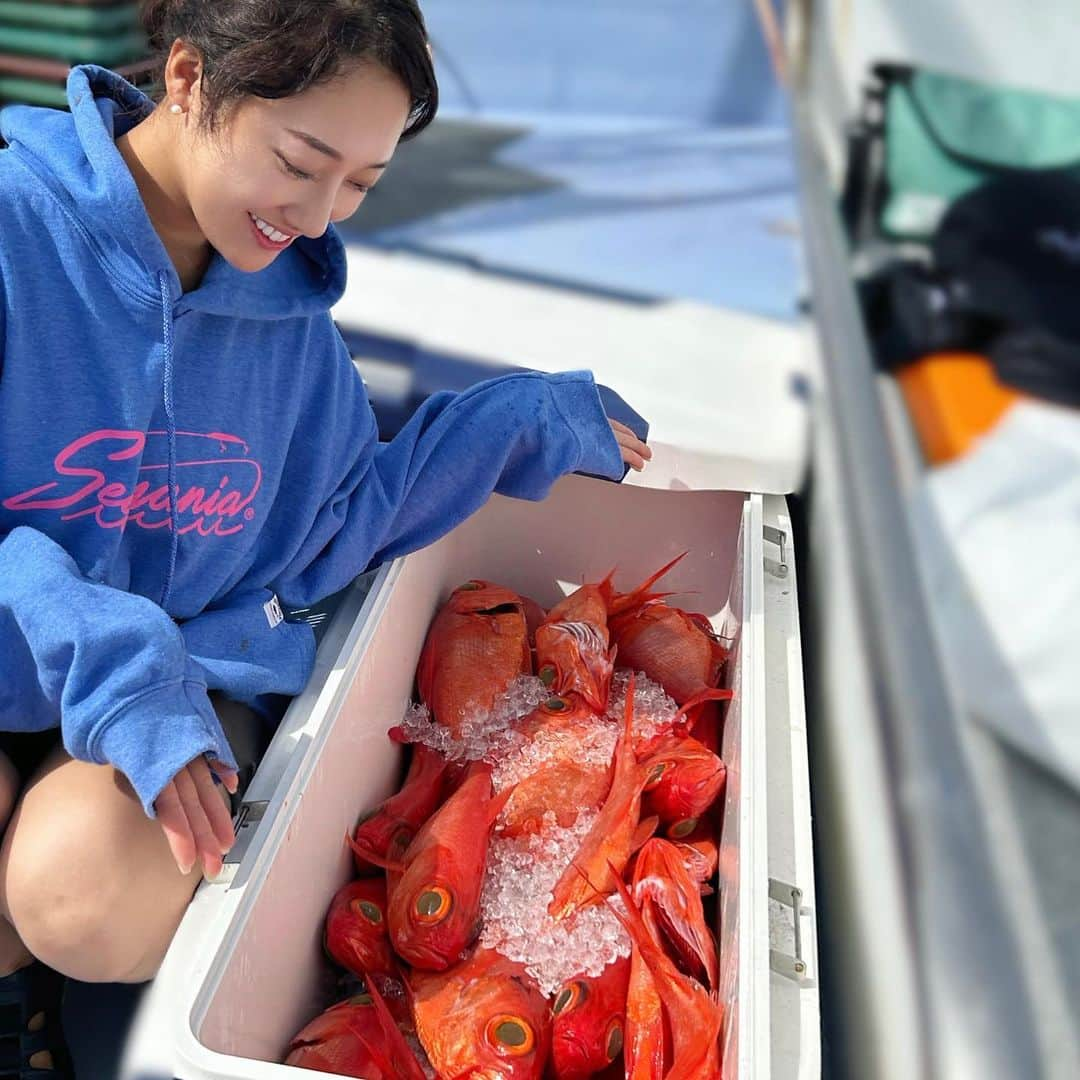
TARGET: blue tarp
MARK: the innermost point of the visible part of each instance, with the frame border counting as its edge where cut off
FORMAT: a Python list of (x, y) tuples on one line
[(647, 153)]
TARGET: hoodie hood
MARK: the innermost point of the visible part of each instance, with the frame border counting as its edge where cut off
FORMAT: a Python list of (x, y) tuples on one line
[(75, 156)]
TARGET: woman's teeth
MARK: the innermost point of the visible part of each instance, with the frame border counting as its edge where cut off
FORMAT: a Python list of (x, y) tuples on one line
[(269, 231)]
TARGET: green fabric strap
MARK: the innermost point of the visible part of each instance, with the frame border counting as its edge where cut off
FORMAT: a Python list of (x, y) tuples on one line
[(946, 135)]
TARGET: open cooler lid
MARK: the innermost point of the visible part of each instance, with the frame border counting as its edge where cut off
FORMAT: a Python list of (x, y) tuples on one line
[(726, 394)]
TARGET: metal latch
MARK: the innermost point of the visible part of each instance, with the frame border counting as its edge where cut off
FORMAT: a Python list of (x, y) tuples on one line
[(783, 963), (778, 537), (244, 825)]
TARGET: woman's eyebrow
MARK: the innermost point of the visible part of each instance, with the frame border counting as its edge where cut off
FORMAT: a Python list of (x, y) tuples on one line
[(329, 151)]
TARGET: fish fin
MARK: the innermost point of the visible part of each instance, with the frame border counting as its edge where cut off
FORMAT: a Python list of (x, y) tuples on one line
[(643, 832), (365, 853), (606, 588), (498, 803), (399, 1049), (711, 694), (640, 596)]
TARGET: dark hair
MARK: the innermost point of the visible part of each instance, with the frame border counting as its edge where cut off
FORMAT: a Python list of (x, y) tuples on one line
[(276, 48)]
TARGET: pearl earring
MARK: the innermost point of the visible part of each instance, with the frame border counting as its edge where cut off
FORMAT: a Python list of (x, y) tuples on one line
[(175, 109)]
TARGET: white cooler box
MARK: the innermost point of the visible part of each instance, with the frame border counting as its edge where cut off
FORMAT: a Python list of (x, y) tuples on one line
[(246, 970)]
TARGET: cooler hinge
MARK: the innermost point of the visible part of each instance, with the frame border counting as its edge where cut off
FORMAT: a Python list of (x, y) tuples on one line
[(244, 825), (792, 964), (773, 535)]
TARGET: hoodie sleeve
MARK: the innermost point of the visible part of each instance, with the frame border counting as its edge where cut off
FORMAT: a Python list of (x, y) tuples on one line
[(110, 665), (515, 435)]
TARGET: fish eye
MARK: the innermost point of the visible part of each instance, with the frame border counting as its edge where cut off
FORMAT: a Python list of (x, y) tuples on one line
[(470, 586), (682, 828), (548, 674), (556, 704), (368, 910), (361, 999), (614, 1040), (510, 1035), (570, 997), (656, 774), (433, 904)]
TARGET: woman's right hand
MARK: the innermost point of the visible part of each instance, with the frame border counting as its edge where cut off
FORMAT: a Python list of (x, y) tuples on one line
[(195, 818)]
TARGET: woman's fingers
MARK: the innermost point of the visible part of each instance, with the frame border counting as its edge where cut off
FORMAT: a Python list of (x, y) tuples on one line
[(206, 843), (228, 777), (217, 813), (174, 823), (634, 452)]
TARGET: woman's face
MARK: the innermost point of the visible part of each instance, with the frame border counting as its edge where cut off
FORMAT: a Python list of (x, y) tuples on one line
[(278, 169)]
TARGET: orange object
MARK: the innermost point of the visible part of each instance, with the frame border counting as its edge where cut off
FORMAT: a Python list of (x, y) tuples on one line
[(953, 399)]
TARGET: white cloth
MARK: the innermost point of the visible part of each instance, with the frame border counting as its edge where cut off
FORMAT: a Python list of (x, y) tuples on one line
[(999, 539)]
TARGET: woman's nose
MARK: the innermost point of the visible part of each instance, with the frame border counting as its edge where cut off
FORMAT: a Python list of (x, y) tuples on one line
[(313, 217)]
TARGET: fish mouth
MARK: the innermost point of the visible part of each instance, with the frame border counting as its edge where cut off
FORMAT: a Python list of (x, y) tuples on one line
[(425, 958), (575, 1047)]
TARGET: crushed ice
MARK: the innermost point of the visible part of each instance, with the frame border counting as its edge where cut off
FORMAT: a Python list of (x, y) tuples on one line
[(654, 708), (521, 873), (523, 870), (485, 734)]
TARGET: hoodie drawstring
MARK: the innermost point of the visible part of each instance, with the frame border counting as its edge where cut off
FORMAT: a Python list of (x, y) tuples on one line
[(170, 421)]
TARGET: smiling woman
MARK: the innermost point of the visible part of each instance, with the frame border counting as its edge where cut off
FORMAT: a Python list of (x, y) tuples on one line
[(167, 275), (276, 120)]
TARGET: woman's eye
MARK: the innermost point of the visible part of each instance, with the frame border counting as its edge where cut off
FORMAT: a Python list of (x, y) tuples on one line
[(362, 188), (292, 170)]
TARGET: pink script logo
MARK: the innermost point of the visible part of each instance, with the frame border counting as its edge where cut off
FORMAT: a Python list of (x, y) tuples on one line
[(216, 482)]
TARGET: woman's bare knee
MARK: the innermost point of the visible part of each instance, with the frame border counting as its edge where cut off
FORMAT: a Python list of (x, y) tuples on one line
[(87, 879)]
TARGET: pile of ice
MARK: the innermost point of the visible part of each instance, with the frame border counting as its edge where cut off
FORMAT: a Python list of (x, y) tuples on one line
[(654, 708), (486, 734), (521, 873), (584, 745)]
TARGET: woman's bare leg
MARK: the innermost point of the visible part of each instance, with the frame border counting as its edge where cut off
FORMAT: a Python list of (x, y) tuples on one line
[(86, 878)]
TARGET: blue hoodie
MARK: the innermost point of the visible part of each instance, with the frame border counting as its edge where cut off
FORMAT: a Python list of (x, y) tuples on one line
[(117, 388)]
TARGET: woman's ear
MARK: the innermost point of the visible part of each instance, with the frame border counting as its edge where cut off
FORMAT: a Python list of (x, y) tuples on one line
[(183, 76)]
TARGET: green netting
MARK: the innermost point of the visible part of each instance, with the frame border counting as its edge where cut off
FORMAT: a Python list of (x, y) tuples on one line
[(32, 92), (73, 48), (79, 20)]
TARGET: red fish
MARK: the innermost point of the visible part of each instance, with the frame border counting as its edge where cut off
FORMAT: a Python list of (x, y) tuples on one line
[(670, 903), (684, 780), (484, 1019), (609, 844), (694, 1016), (699, 853), (356, 936), (677, 649), (476, 646), (360, 1037), (434, 909), (402, 814), (564, 784), (573, 653), (589, 1021), (646, 1042)]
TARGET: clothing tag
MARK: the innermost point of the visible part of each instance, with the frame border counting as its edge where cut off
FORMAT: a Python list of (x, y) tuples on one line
[(274, 615)]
